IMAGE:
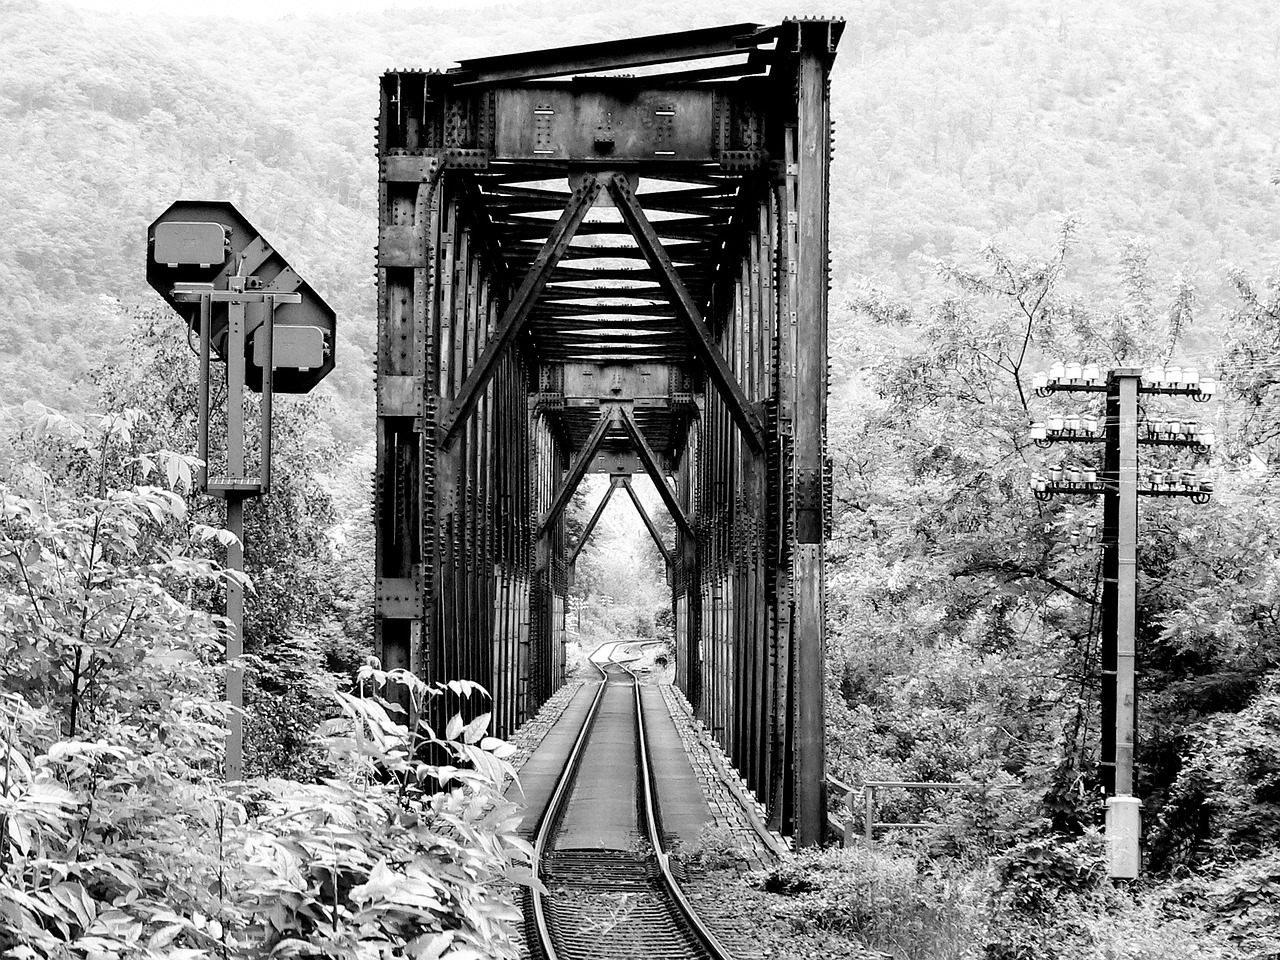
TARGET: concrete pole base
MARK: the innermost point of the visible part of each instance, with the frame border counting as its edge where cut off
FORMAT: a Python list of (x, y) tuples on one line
[(1124, 833)]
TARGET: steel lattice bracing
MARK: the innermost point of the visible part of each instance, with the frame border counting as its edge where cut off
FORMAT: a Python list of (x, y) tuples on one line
[(581, 271)]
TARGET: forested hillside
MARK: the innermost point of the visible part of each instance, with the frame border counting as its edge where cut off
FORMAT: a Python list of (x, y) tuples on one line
[(1015, 181), (956, 121)]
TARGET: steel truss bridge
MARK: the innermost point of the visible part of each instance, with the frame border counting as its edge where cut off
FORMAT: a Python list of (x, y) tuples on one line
[(613, 259)]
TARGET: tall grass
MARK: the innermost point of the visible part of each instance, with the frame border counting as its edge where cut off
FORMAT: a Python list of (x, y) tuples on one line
[(898, 905)]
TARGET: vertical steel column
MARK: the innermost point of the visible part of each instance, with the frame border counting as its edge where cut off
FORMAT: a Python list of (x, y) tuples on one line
[(268, 390), (688, 661), (755, 498), (782, 494), (1119, 590), (202, 391), (813, 136), (1119, 623), (407, 191)]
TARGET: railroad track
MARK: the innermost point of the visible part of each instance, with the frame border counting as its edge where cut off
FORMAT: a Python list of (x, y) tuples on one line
[(599, 850)]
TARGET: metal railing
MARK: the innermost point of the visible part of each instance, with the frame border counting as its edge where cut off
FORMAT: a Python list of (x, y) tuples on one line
[(846, 826)]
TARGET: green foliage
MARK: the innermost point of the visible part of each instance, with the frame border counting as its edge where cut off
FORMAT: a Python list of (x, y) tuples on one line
[(307, 547), (717, 848), (93, 629), (877, 902), (117, 836), (1246, 900), (393, 855), (1225, 803), (110, 850), (935, 148), (1110, 924), (993, 664), (964, 641), (1251, 345), (1040, 869), (886, 902)]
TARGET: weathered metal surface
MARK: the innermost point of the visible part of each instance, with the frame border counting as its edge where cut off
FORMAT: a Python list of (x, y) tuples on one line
[(188, 228), (554, 123), (614, 54), (622, 275)]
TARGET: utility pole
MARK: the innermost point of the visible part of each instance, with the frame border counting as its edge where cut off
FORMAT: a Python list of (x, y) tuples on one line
[(1120, 580), (1124, 429)]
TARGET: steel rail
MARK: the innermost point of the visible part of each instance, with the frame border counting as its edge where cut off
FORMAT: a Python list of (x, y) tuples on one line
[(547, 827), (714, 948)]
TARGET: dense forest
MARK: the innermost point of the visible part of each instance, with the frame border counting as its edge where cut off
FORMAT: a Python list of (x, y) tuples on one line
[(1015, 181), (956, 122)]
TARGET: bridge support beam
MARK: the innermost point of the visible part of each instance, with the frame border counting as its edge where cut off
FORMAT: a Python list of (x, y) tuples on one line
[(648, 523), (517, 311), (704, 344), (525, 338), (652, 468), (614, 483), (812, 159), (577, 470)]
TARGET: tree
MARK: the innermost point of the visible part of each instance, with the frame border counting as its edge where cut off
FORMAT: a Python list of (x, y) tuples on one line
[(965, 638)]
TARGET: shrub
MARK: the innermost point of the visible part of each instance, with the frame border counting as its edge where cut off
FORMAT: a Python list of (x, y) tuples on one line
[(1040, 869), (118, 837), (1110, 924), (110, 848), (1225, 803), (717, 848), (1246, 900), (890, 903)]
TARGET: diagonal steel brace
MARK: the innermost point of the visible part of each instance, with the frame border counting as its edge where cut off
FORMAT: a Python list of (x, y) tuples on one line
[(718, 369), (652, 468), (577, 470), (522, 303)]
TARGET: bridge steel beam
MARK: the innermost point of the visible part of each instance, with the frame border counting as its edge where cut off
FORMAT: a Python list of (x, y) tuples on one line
[(517, 311), (614, 483), (812, 159), (616, 274), (648, 522), (660, 262), (577, 470), (651, 466)]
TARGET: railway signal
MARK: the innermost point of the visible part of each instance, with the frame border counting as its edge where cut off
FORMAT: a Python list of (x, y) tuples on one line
[(1120, 432), (272, 332)]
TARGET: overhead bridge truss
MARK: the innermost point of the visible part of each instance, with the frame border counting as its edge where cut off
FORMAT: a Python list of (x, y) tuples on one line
[(581, 271)]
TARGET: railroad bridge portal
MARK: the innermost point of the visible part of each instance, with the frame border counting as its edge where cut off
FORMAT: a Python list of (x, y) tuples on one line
[(582, 269)]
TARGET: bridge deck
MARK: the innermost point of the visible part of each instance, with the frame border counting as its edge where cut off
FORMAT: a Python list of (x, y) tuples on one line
[(692, 791), (550, 735), (603, 802)]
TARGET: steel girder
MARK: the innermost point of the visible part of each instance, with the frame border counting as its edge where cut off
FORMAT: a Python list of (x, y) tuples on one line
[(581, 271)]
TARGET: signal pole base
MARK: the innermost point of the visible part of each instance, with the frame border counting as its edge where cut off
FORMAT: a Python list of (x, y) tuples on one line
[(1124, 832)]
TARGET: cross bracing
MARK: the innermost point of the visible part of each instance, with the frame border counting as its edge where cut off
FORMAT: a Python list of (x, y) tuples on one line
[(612, 258)]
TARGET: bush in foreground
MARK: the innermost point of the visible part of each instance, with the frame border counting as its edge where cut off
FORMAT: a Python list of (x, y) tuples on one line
[(880, 902), (118, 837)]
